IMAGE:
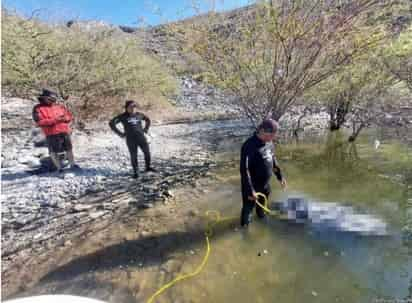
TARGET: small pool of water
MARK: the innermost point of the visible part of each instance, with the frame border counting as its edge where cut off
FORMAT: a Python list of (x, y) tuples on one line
[(282, 261), (288, 262)]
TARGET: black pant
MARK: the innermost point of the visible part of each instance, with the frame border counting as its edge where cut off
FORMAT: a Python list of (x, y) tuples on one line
[(59, 143), (248, 205), (134, 142)]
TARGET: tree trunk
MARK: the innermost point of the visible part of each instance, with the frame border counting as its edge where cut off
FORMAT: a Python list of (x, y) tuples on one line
[(333, 126), (337, 113), (355, 133)]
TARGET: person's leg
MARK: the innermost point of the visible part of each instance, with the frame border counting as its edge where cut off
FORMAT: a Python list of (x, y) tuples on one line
[(53, 145), (247, 209), (70, 157), (132, 146), (68, 149), (55, 160), (144, 146)]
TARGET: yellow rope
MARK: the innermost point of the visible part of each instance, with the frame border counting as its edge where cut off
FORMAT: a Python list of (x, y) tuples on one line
[(265, 205), (208, 233), (183, 277)]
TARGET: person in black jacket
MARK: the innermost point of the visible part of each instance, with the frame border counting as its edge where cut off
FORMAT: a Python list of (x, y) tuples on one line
[(134, 133), (257, 164)]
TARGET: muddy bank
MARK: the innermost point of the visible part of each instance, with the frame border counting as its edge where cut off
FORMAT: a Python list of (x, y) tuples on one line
[(156, 240)]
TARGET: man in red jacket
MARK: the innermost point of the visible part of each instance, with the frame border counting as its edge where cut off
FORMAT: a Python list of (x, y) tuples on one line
[(54, 120)]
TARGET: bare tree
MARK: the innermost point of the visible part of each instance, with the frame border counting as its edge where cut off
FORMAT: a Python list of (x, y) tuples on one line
[(271, 54), (358, 93), (397, 57)]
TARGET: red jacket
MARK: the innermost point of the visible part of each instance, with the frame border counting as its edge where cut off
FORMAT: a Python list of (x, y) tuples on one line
[(47, 117)]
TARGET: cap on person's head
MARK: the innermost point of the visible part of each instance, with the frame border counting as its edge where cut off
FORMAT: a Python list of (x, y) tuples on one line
[(268, 126), (128, 103), (47, 94)]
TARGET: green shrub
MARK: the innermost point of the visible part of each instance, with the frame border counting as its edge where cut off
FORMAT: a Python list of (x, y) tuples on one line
[(94, 65)]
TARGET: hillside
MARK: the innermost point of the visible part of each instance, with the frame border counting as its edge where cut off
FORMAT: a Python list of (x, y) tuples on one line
[(168, 41)]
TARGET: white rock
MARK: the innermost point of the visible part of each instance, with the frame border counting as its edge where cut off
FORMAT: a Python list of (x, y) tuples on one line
[(314, 293), (97, 214)]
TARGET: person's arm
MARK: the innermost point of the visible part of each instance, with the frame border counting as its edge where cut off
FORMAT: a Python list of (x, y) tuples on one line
[(68, 117), (278, 173), (276, 169), (146, 123), (113, 125), (40, 120), (246, 180)]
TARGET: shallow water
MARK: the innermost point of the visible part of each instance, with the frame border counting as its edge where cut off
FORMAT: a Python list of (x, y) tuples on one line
[(279, 260), (282, 261), (274, 260)]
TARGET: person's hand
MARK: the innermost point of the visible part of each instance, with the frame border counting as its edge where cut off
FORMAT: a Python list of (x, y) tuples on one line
[(253, 197), (61, 118), (283, 184)]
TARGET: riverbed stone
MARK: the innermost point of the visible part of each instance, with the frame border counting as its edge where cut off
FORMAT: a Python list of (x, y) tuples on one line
[(82, 207), (147, 205), (97, 214)]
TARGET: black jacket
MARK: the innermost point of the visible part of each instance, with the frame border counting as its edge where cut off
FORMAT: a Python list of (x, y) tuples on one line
[(132, 124), (257, 164)]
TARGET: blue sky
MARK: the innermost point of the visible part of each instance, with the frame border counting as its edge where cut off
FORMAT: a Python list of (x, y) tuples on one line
[(121, 12)]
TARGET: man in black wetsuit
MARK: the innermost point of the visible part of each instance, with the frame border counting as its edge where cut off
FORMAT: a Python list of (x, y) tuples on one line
[(257, 164), (134, 133)]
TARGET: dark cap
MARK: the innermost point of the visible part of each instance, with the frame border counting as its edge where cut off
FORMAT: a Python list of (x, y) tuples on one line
[(46, 93), (268, 126), (128, 103)]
